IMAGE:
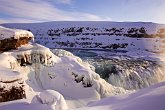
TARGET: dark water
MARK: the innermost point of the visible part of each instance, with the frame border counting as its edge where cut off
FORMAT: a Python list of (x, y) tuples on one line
[(92, 53)]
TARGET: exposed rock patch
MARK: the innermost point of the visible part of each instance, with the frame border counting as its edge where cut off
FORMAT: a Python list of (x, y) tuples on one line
[(9, 44), (12, 90)]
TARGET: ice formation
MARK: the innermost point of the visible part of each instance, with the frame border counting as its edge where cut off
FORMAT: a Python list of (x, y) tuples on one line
[(130, 73)]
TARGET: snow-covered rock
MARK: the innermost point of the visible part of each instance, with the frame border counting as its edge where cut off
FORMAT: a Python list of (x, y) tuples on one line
[(51, 98), (7, 33), (13, 38), (12, 85)]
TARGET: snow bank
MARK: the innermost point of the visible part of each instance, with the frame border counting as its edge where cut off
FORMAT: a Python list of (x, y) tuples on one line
[(151, 98)]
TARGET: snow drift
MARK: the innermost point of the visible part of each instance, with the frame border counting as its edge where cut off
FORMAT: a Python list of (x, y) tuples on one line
[(151, 98)]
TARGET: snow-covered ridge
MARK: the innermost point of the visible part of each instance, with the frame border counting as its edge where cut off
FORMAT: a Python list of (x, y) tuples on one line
[(6, 33)]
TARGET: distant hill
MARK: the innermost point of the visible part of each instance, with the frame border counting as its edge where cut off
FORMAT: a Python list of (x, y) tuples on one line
[(97, 34)]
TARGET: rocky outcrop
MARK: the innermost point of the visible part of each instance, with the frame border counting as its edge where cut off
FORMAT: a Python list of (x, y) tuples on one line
[(12, 85), (11, 43), (12, 90), (13, 38)]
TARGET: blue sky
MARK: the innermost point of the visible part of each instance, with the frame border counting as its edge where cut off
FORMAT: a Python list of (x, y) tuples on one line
[(82, 10)]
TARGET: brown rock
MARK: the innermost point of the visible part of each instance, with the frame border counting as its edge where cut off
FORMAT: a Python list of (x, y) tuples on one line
[(13, 90), (11, 43)]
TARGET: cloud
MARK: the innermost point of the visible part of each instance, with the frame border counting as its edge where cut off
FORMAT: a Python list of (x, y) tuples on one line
[(40, 11), (17, 20), (65, 1)]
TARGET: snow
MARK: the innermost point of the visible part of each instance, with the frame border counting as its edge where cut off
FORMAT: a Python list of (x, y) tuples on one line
[(65, 74), (93, 39), (6, 33), (23, 105), (58, 80), (51, 98), (151, 98)]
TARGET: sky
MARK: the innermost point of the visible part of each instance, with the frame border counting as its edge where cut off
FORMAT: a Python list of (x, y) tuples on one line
[(25, 11)]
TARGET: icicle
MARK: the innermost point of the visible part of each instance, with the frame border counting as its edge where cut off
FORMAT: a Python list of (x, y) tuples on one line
[(24, 57), (45, 59), (42, 60), (11, 66)]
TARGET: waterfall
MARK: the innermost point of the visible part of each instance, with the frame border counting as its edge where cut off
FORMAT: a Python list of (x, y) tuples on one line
[(131, 73)]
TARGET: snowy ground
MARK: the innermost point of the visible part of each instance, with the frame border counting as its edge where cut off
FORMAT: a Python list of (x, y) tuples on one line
[(151, 98)]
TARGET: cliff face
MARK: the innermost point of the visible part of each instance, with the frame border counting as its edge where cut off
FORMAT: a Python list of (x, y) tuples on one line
[(12, 85)]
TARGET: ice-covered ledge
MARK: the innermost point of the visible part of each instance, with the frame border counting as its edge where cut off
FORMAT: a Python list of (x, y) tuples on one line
[(13, 38)]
